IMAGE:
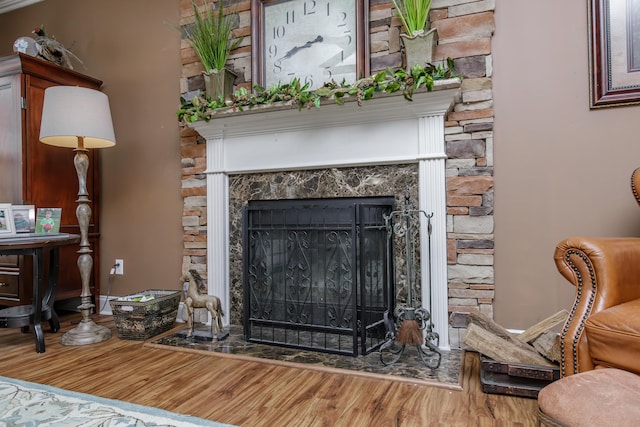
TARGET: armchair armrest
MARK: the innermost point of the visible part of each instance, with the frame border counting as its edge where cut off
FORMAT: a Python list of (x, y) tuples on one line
[(605, 272)]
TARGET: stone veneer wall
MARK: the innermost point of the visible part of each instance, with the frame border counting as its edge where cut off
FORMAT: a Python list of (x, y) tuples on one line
[(465, 29)]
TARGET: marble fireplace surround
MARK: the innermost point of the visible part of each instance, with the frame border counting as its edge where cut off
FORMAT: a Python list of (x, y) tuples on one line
[(384, 131)]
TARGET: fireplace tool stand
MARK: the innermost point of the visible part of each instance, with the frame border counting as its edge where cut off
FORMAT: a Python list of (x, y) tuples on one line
[(412, 320)]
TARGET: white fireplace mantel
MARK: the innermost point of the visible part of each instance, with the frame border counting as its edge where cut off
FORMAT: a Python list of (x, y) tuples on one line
[(385, 130)]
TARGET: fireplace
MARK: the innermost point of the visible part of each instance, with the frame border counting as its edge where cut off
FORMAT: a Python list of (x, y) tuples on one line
[(318, 273), (383, 132)]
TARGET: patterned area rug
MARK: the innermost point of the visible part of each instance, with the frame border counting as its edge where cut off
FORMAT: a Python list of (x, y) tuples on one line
[(409, 368), (29, 404)]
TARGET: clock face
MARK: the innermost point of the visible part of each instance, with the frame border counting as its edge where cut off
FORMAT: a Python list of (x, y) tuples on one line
[(316, 41)]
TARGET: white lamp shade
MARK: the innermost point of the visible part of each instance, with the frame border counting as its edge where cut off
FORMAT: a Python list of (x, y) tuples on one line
[(70, 112)]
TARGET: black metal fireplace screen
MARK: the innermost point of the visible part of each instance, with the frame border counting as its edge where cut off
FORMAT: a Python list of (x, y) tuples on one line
[(317, 273)]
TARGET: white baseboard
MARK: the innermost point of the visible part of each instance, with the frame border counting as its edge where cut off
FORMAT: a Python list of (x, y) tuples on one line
[(104, 306), (179, 317)]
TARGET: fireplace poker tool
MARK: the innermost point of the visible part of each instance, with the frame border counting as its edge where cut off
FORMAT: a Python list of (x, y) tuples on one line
[(413, 320)]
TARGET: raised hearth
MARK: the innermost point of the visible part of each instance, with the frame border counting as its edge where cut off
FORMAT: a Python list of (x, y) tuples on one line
[(409, 369)]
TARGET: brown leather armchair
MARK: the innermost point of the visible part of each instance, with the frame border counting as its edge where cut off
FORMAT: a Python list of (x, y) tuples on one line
[(603, 326)]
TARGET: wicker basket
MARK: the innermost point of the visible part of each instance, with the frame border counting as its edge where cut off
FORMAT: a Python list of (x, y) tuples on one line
[(143, 320)]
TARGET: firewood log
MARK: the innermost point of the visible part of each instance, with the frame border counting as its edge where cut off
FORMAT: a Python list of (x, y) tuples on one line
[(500, 349), (548, 344), (543, 326)]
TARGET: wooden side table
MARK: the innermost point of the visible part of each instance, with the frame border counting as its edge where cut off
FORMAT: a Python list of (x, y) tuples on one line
[(36, 245)]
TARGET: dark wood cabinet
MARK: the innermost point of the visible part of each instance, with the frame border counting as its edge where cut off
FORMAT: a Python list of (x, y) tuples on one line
[(33, 173)]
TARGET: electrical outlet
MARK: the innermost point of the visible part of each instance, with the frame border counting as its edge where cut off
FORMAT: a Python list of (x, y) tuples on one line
[(119, 266)]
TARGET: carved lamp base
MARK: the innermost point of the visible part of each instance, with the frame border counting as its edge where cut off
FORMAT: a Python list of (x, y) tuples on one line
[(87, 332)]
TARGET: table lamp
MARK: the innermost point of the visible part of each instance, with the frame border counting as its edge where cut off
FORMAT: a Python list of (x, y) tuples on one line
[(79, 118)]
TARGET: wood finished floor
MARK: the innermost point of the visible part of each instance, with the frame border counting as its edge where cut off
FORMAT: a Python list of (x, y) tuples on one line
[(251, 393)]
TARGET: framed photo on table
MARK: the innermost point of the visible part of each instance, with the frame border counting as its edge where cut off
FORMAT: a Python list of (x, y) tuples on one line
[(48, 220), (614, 52), (24, 218), (7, 227)]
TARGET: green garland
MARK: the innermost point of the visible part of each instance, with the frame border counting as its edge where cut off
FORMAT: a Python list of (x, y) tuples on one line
[(388, 81)]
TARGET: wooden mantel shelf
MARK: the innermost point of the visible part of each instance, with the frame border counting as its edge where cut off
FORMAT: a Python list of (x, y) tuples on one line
[(285, 117)]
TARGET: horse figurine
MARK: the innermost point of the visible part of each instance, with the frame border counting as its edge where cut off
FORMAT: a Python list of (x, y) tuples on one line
[(195, 299)]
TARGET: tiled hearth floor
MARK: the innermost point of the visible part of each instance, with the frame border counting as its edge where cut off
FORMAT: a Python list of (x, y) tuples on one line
[(408, 368)]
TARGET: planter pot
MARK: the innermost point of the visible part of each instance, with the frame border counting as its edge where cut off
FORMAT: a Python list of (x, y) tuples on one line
[(419, 49), (219, 83)]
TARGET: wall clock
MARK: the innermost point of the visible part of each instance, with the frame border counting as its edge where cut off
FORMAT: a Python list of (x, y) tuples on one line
[(314, 40)]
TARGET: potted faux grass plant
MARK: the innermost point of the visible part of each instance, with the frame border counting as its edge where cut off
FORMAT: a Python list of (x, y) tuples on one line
[(419, 41), (210, 37)]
